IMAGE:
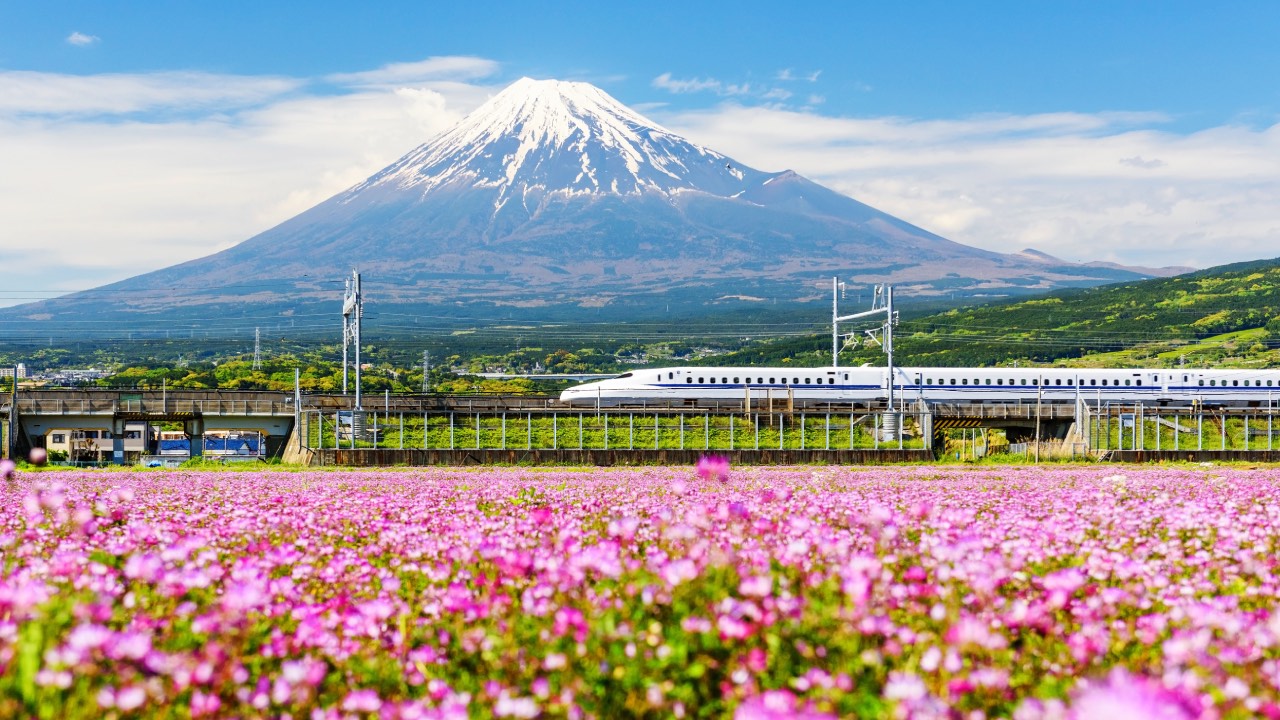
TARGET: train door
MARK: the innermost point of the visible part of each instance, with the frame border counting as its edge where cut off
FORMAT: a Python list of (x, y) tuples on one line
[(1160, 380)]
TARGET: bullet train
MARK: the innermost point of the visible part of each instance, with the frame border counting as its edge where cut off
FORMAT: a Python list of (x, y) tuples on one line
[(695, 386)]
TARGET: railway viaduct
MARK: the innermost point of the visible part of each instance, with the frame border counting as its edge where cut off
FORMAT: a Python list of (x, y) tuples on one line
[(285, 421)]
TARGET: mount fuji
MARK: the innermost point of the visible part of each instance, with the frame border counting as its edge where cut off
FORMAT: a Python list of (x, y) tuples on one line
[(554, 196)]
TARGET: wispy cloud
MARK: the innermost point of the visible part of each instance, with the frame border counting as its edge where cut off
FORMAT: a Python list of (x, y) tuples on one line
[(80, 39), (1143, 163), (787, 75), (25, 92), (431, 69), (695, 85)]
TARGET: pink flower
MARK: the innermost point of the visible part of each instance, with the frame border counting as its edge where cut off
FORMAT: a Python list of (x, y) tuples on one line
[(362, 701), (7, 469), (204, 704), (1130, 697), (756, 586), (713, 467), (776, 705), (733, 628)]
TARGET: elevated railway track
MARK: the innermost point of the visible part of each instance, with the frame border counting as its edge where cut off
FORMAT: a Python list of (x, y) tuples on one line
[(455, 429)]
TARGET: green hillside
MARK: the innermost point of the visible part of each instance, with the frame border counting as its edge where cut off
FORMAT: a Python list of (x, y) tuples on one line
[(1227, 315)]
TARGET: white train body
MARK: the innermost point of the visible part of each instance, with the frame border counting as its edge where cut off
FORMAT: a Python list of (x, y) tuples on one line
[(869, 385)]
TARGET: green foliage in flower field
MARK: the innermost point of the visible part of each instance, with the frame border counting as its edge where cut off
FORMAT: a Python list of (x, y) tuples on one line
[(1025, 592)]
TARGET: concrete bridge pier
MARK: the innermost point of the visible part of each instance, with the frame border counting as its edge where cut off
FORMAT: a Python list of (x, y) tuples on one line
[(117, 440), (194, 428)]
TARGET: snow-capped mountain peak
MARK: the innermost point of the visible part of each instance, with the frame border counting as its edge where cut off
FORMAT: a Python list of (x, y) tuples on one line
[(552, 136)]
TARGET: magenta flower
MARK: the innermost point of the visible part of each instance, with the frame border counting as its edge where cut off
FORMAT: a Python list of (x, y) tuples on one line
[(713, 467), (776, 705), (362, 701), (1131, 697)]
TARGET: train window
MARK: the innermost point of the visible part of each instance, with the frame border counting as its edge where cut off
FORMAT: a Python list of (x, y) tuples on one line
[(1126, 382), (670, 376), (1139, 382), (1071, 381), (1201, 382), (1024, 381), (928, 381), (1235, 383), (771, 381), (1246, 383), (701, 380), (759, 381), (846, 377), (1058, 381), (1104, 381), (988, 381), (689, 380), (953, 381), (1212, 383), (964, 381), (831, 381), (713, 381), (999, 381), (736, 380), (1185, 378), (1268, 383), (724, 380), (807, 381), (1093, 382), (795, 381)]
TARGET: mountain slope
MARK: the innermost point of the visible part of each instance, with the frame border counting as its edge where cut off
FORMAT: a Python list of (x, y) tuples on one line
[(1073, 323), (1158, 322)]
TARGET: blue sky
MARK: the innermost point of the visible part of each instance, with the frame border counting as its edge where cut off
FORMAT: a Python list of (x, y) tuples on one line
[(134, 135)]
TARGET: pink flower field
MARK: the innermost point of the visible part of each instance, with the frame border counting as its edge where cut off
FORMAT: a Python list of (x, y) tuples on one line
[(757, 593)]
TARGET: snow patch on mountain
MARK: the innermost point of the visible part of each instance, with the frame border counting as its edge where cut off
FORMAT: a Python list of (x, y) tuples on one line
[(560, 137)]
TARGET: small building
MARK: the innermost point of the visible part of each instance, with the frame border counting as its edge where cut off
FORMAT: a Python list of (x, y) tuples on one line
[(98, 444), (234, 445), (20, 370)]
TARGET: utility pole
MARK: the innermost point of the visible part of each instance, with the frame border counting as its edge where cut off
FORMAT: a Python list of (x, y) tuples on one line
[(11, 434), (882, 302), (352, 312), (1039, 401)]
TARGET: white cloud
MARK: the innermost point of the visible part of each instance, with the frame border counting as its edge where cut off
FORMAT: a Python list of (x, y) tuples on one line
[(1109, 186), (25, 92), (431, 69), (80, 39), (91, 196), (105, 177), (666, 82), (787, 75)]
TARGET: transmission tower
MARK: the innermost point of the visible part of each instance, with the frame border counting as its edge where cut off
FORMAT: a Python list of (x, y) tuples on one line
[(881, 304), (257, 348), (352, 311), (426, 371)]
